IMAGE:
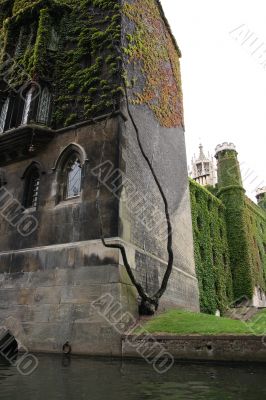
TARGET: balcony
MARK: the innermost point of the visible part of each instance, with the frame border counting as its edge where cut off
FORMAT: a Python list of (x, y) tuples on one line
[(23, 142)]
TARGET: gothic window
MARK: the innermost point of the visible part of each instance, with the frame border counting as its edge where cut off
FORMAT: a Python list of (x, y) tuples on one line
[(3, 115), (73, 177), (207, 167), (44, 107), (32, 188), (199, 169), (27, 106), (25, 39), (20, 45), (54, 40)]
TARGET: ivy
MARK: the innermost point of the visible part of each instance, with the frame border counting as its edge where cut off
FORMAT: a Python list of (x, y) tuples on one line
[(256, 229), (211, 250), (245, 223), (152, 56), (85, 74), (88, 74), (89, 34)]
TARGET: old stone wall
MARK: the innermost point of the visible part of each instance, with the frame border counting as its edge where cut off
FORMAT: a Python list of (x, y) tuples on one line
[(142, 216), (199, 348), (73, 220), (49, 299), (154, 107), (49, 279)]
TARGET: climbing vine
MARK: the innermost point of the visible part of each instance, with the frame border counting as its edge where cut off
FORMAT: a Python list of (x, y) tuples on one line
[(5, 10), (153, 62), (85, 69), (232, 194), (89, 66), (246, 227), (256, 227), (211, 250), (85, 73)]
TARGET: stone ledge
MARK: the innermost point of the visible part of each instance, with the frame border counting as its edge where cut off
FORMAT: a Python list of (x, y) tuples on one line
[(249, 348)]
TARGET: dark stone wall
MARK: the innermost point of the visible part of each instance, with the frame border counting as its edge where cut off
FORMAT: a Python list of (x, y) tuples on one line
[(71, 220), (142, 217), (49, 279), (154, 104)]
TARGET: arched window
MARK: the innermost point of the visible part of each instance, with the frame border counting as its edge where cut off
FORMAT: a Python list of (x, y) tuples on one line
[(68, 168), (44, 107), (20, 43), (72, 172), (54, 40), (3, 115), (27, 105), (32, 186)]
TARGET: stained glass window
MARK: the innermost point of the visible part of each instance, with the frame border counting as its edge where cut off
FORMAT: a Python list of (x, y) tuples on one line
[(3, 115), (44, 107), (73, 175), (27, 104)]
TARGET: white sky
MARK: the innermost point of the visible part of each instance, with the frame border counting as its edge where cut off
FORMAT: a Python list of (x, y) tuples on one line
[(224, 85)]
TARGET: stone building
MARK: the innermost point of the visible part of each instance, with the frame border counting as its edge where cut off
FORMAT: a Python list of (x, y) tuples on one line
[(229, 238), (87, 88), (203, 169)]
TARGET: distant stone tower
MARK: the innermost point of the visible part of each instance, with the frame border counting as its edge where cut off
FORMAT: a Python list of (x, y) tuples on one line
[(232, 194), (203, 169), (79, 80), (261, 197)]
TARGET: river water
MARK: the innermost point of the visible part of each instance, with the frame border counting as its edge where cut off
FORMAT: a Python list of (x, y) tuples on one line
[(80, 378)]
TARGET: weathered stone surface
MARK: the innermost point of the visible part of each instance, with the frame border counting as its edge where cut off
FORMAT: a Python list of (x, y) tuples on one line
[(49, 279), (204, 348)]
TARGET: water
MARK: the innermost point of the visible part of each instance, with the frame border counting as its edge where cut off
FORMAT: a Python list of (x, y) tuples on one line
[(105, 379)]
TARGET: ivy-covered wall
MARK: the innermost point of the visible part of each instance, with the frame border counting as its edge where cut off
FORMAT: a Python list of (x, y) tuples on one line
[(71, 46), (246, 272), (88, 70), (229, 235), (75, 48), (211, 250), (152, 70), (256, 227), (5, 10)]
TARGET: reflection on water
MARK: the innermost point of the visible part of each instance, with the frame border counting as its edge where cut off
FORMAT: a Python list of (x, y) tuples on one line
[(80, 378)]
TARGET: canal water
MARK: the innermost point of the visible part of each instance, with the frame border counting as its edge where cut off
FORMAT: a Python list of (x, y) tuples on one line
[(80, 378)]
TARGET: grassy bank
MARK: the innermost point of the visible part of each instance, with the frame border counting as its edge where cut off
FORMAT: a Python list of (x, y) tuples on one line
[(181, 323)]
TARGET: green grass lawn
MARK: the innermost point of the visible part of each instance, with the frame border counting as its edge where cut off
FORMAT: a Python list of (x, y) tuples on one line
[(182, 322)]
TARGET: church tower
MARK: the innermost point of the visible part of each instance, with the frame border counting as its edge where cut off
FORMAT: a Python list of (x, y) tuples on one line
[(91, 125), (203, 169)]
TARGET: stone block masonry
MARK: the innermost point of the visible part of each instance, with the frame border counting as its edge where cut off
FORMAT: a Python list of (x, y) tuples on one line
[(227, 348), (81, 56)]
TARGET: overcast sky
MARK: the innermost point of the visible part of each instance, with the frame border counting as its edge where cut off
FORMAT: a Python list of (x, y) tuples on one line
[(223, 44)]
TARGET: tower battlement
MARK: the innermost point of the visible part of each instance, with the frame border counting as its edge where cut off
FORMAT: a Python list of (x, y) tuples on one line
[(223, 147)]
